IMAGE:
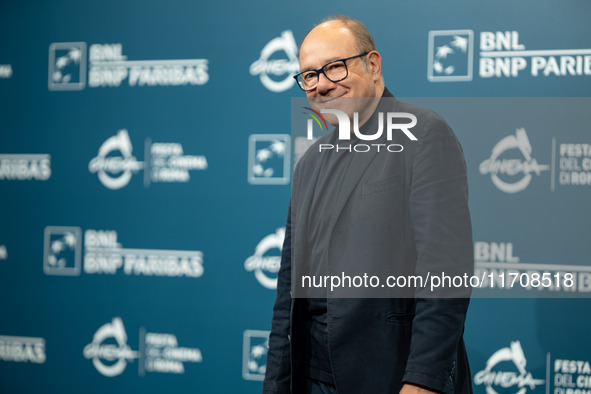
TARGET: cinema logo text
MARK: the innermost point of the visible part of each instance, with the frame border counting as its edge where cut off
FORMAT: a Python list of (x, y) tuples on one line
[(110, 359), (511, 174), (163, 353), (575, 164), (264, 263), (165, 162), (496, 376), (115, 172), (160, 352), (109, 67), (572, 376), (169, 163), (281, 69)]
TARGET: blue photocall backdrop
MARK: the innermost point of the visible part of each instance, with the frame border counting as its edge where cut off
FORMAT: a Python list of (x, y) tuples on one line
[(145, 173)]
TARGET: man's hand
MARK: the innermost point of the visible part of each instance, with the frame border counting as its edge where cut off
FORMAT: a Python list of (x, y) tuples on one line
[(412, 389)]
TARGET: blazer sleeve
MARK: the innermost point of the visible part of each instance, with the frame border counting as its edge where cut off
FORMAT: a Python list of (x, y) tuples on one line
[(278, 373), (440, 220)]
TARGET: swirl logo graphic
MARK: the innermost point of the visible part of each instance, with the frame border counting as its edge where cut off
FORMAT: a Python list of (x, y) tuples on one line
[(494, 377), (98, 351), (265, 265), (266, 66), (115, 172), (512, 167)]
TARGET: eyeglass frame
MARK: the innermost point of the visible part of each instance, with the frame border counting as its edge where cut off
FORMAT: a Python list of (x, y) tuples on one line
[(321, 71)]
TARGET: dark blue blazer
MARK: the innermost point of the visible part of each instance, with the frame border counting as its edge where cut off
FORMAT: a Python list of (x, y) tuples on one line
[(412, 209)]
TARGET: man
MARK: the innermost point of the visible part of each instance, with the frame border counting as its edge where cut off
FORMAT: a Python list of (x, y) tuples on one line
[(407, 210)]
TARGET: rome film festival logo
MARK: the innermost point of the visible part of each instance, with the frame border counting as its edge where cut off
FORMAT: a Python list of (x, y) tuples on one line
[(108, 358), (164, 162), (266, 66), (264, 264), (510, 168), (269, 159), (159, 352), (495, 375), (115, 172)]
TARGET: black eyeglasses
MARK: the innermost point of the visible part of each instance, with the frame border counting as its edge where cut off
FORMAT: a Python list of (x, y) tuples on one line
[(334, 71)]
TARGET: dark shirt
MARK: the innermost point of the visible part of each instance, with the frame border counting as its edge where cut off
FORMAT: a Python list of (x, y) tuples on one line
[(332, 174)]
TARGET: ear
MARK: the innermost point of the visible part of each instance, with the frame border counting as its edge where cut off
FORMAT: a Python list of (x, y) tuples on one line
[(374, 64)]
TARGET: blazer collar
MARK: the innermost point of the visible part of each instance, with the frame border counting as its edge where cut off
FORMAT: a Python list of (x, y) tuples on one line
[(365, 158)]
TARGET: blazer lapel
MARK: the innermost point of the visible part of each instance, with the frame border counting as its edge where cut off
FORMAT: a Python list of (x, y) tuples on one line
[(308, 181), (365, 158), (352, 179)]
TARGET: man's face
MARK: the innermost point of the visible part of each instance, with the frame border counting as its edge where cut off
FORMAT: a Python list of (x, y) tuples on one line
[(328, 42)]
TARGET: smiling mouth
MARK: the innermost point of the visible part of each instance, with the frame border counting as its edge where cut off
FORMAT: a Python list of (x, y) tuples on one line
[(325, 100)]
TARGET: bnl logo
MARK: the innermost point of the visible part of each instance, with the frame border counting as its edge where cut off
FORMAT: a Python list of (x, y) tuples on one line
[(62, 250), (269, 159), (254, 354), (67, 66), (450, 55)]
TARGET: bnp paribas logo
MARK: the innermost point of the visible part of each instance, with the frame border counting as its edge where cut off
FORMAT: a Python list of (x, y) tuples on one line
[(450, 55), (269, 159), (67, 66)]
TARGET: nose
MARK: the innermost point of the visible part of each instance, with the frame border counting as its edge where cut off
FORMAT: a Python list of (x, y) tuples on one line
[(325, 85)]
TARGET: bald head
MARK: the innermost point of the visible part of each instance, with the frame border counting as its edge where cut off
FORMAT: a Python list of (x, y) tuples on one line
[(342, 38), (329, 37), (363, 39)]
